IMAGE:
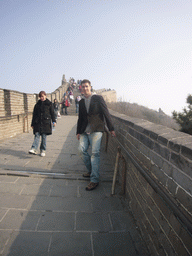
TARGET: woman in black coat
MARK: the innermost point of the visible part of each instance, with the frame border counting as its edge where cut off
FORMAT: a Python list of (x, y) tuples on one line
[(43, 117)]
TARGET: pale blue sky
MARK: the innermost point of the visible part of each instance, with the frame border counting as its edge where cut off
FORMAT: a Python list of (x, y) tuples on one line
[(140, 48)]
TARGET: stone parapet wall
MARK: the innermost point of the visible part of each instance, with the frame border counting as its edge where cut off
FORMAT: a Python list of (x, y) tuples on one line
[(108, 95), (2, 104), (11, 126), (158, 182), (16, 102), (16, 109)]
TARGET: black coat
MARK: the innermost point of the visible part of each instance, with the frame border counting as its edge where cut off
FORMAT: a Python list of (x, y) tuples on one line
[(56, 106), (43, 116), (97, 115)]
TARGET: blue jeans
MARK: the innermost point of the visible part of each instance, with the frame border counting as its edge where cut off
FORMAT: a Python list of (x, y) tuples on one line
[(36, 141), (92, 162), (66, 111), (77, 107)]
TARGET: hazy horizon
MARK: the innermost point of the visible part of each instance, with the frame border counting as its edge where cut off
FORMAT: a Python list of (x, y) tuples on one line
[(140, 48)]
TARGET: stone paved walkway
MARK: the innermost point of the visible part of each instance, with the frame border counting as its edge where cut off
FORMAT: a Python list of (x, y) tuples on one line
[(45, 209)]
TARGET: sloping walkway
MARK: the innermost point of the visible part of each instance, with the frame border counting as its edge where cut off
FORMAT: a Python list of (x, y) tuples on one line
[(45, 209)]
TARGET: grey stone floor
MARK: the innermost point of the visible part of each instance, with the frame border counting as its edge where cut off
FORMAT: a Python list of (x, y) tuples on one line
[(45, 209)]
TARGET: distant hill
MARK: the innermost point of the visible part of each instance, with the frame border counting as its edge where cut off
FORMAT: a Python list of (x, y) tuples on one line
[(135, 110)]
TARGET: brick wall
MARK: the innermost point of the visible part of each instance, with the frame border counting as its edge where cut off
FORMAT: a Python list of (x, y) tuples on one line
[(2, 107), (16, 109), (108, 95), (158, 182)]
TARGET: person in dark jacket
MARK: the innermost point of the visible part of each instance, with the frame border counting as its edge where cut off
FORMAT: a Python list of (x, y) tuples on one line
[(56, 108), (43, 117), (93, 113)]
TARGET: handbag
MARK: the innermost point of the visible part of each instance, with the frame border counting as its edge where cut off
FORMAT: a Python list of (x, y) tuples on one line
[(67, 103)]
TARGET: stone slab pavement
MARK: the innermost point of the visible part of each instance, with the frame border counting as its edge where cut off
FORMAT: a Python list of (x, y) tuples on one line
[(45, 209), (61, 159)]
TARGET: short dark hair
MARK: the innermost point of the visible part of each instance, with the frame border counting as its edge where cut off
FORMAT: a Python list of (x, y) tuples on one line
[(86, 81), (42, 93)]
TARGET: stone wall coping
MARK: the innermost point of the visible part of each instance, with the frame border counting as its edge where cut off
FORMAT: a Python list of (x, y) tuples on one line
[(162, 134), (104, 90), (18, 92)]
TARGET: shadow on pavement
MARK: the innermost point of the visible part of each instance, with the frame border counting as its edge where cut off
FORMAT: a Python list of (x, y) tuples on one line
[(57, 216)]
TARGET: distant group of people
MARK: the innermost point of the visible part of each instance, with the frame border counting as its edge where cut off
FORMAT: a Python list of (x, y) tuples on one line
[(92, 115), (68, 98), (65, 104)]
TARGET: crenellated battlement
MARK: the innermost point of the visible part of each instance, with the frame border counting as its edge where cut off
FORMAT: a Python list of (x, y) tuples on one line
[(16, 109)]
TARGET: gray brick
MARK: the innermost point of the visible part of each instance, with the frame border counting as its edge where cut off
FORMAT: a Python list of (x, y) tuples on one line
[(159, 174), (63, 204), (14, 201), (162, 151), (10, 188), (186, 238), (4, 237), (121, 139), (157, 159), (182, 179), (71, 244), (162, 140), (185, 199), (167, 168), (34, 189), (122, 221), (137, 135), (187, 151), (151, 134), (182, 163), (28, 243), (8, 179), (120, 244), (56, 221), (182, 139), (131, 131), (144, 149), (122, 131), (140, 127), (93, 221), (156, 130), (145, 140), (107, 204), (177, 244), (67, 191), (20, 219), (29, 180), (2, 213), (172, 186), (175, 223), (174, 146)]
